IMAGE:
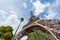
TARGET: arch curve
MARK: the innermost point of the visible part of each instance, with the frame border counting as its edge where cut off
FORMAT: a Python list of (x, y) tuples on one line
[(32, 28)]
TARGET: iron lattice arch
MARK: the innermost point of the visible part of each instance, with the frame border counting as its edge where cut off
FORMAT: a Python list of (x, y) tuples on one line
[(29, 30)]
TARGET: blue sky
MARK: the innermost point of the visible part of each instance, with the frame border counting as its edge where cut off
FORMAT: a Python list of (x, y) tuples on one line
[(12, 10)]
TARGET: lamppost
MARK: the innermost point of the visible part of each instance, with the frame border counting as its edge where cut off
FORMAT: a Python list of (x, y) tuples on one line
[(21, 20)]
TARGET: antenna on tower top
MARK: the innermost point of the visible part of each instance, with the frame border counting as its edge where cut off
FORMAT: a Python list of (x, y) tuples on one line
[(32, 14), (32, 17)]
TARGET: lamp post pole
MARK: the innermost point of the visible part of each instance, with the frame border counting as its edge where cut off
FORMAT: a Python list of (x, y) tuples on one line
[(17, 28)]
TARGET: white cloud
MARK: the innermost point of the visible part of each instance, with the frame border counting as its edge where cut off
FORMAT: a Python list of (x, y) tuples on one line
[(53, 10), (39, 7), (3, 13), (11, 20), (57, 2), (10, 5), (51, 14), (31, 1), (12, 12), (9, 14), (25, 5)]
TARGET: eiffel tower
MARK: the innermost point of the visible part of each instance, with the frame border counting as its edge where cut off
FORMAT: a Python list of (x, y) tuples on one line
[(50, 26)]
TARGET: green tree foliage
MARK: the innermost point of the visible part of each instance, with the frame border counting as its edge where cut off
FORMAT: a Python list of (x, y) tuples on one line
[(1, 39), (6, 32), (39, 35)]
